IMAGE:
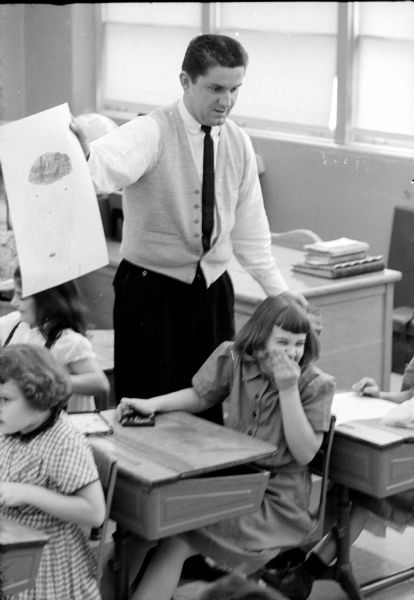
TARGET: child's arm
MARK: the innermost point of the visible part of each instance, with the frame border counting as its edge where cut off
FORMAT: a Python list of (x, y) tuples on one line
[(87, 378), (301, 438), (84, 507), (185, 399), (369, 387)]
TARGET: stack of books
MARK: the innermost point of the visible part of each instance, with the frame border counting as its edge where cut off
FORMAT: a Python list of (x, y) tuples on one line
[(341, 257)]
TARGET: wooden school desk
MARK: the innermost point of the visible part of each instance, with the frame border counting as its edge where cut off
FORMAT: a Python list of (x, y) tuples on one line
[(376, 460), (181, 474), (20, 553), (356, 316)]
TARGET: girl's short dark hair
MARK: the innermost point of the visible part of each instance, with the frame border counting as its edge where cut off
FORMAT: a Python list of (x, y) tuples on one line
[(58, 308), (211, 50), (284, 312), (43, 382)]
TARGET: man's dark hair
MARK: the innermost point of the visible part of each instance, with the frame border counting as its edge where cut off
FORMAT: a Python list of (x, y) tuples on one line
[(211, 50)]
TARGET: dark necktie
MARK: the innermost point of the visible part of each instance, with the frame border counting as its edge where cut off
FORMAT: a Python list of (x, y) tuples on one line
[(208, 188)]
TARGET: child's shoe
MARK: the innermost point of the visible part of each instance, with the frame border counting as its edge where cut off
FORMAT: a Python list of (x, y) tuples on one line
[(296, 583)]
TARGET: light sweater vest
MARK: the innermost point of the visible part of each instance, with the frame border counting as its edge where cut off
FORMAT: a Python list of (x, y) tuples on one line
[(162, 210)]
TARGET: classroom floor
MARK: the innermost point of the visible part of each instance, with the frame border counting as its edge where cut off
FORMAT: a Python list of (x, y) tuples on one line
[(372, 558)]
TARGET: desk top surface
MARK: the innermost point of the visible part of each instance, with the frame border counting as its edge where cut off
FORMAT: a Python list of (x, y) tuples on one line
[(180, 445), (246, 288), (359, 418), (310, 286)]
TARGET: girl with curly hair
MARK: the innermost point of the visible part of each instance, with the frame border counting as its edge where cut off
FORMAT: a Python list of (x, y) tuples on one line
[(48, 477)]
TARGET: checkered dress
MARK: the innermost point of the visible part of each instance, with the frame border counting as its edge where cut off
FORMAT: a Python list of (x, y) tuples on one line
[(59, 459)]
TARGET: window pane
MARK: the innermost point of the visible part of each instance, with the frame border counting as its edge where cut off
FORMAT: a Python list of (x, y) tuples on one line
[(287, 17), (384, 68), (386, 19), (153, 13), (297, 90), (292, 59), (142, 63), (385, 86)]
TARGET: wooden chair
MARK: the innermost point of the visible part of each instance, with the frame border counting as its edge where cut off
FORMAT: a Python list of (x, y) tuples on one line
[(400, 258), (319, 468), (107, 469), (295, 238)]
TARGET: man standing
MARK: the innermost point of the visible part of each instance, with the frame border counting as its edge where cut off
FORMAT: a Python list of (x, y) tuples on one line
[(191, 197)]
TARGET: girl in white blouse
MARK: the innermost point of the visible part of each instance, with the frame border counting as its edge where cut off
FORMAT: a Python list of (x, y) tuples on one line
[(56, 318)]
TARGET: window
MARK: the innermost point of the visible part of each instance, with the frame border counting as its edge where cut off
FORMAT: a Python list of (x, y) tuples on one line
[(384, 71), (340, 71), (142, 51), (292, 48)]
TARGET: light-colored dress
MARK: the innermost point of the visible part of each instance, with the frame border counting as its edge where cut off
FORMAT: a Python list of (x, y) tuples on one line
[(70, 347), (57, 458), (253, 408)]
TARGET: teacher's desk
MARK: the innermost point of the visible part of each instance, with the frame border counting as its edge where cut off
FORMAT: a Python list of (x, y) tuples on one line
[(356, 311)]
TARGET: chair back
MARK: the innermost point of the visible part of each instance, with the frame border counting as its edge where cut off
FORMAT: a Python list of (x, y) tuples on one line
[(295, 238), (400, 254), (320, 466), (107, 469)]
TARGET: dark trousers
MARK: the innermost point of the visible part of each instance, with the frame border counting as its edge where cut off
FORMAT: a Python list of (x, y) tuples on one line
[(165, 330)]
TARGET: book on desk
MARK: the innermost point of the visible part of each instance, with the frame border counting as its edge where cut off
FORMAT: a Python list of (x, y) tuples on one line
[(336, 250), (341, 257), (368, 264), (90, 423)]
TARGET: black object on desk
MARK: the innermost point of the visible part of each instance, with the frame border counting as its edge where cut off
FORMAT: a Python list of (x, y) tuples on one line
[(133, 418)]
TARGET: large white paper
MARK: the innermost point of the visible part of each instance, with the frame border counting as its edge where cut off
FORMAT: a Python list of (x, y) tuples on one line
[(53, 205), (348, 406)]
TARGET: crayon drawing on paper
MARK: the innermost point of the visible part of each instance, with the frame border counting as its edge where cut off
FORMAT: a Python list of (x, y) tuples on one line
[(53, 205)]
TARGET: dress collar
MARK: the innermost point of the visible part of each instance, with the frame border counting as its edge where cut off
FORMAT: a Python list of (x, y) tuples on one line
[(50, 421)]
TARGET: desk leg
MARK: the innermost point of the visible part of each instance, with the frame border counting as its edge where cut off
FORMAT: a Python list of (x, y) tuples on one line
[(120, 563), (124, 552), (342, 570)]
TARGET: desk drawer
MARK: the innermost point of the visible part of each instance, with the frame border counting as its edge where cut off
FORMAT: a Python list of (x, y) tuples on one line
[(377, 471), (187, 504)]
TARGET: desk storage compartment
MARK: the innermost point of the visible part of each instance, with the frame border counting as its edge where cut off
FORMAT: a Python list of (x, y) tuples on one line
[(19, 568), (186, 504), (20, 553), (377, 471)]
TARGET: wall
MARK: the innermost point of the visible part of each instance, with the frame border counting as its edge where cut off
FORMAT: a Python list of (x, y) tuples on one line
[(334, 191), (49, 58)]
